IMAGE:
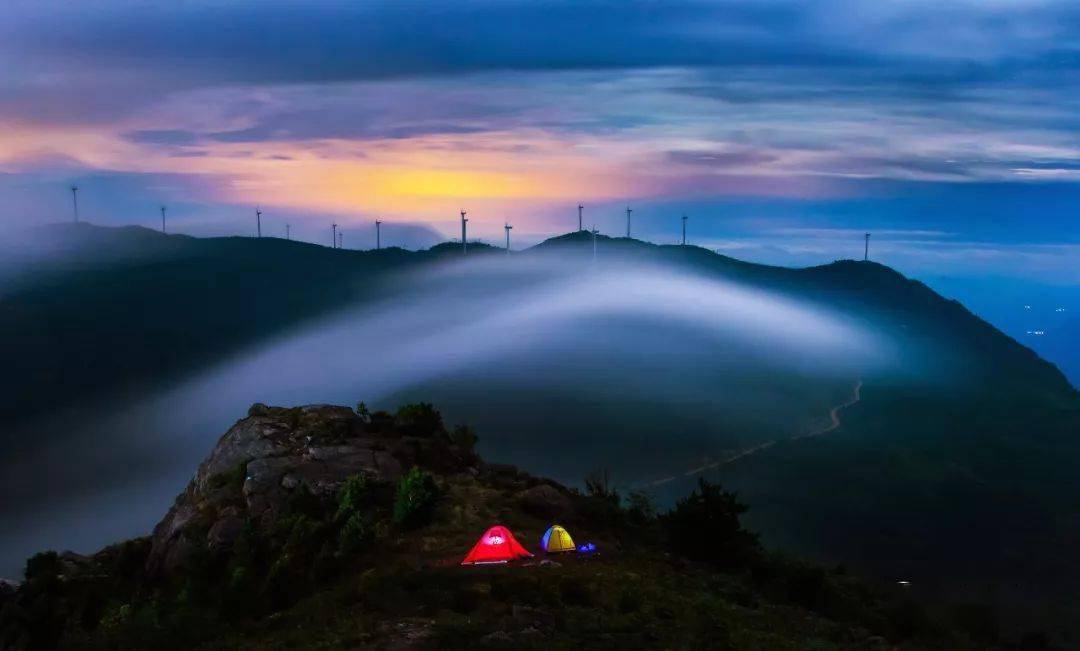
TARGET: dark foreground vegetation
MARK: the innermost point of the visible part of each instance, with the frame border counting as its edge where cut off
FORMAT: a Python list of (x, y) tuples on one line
[(326, 527)]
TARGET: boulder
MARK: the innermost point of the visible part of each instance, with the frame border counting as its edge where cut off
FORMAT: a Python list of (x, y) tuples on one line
[(545, 501)]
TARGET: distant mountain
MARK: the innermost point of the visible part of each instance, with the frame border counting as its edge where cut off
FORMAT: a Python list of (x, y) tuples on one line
[(95, 310)]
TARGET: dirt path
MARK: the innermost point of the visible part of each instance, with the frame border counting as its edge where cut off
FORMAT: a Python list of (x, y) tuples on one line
[(834, 422), (834, 414)]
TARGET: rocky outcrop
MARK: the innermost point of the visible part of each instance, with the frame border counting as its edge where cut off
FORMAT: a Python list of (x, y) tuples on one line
[(546, 501), (274, 454)]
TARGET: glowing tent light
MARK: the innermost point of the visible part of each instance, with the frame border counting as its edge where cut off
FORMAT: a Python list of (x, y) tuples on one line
[(556, 539), (497, 545)]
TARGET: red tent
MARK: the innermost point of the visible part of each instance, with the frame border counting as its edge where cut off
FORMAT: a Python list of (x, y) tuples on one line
[(497, 545)]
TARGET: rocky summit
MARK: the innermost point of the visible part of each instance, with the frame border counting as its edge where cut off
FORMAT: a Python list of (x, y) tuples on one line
[(266, 458), (329, 527)]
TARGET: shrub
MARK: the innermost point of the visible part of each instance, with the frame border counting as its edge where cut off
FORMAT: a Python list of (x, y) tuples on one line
[(639, 509), (415, 499), (419, 419), (704, 526), (354, 497), (356, 534), (464, 437), (598, 485), (42, 565), (233, 479), (602, 507), (363, 412)]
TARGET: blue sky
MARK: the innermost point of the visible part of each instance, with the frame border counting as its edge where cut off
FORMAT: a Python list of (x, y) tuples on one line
[(784, 129)]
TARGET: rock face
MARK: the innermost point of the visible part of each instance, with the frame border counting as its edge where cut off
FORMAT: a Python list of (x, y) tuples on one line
[(272, 455)]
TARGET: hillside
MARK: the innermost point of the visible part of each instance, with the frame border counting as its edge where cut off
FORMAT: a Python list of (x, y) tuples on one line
[(102, 311), (321, 527)]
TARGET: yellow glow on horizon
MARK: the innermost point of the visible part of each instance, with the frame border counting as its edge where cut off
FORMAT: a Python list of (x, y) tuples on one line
[(424, 178)]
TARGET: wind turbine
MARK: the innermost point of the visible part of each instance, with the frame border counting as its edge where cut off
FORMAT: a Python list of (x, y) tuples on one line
[(163, 219), (378, 234), (333, 236), (340, 239), (463, 222), (75, 201), (866, 248), (684, 229), (258, 222), (628, 211), (507, 227), (579, 209), (287, 234)]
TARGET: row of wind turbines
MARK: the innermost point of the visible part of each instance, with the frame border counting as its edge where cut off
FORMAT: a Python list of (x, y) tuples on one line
[(337, 236)]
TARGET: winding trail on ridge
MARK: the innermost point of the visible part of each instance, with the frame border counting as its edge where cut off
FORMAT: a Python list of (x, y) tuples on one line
[(834, 422)]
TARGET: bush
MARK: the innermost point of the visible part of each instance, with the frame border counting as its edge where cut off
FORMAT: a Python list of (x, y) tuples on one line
[(42, 565), (354, 497), (414, 501), (640, 511), (464, 437), (363, 412), (419, 419), (356, 534), (598, 485), (705, 527)]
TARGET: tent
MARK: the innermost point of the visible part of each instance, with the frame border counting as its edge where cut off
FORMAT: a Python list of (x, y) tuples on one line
[(497, 545), (557, 540)]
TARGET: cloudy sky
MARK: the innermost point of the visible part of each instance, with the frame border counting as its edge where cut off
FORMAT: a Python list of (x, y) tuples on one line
[(783, 129)]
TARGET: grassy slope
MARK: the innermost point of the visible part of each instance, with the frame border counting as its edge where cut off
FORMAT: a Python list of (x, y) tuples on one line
[(634, 593)]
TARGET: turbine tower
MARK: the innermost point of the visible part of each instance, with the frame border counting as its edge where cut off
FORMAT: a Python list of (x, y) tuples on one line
[(866, 248), (258, 222), (341, 239), (378, 234), (594, 232), (628, 211), (163, 219), (333, 236), (75, 201), (287, 234), (684, 230), (579, 209), (507, 227), (463, 222)]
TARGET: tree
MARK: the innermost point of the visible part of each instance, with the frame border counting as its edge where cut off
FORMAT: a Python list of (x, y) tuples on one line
[(414, 500), (705, 526)]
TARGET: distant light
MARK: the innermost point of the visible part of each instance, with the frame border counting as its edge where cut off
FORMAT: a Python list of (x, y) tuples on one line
[(1027, 307), (1036, 332), (1060, 309), (903, 583), (586, 548)]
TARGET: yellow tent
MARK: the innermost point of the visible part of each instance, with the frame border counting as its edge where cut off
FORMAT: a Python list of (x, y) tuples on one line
[(556, 539)]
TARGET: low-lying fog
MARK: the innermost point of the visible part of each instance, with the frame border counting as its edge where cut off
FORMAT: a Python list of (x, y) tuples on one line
[(644, 370)]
